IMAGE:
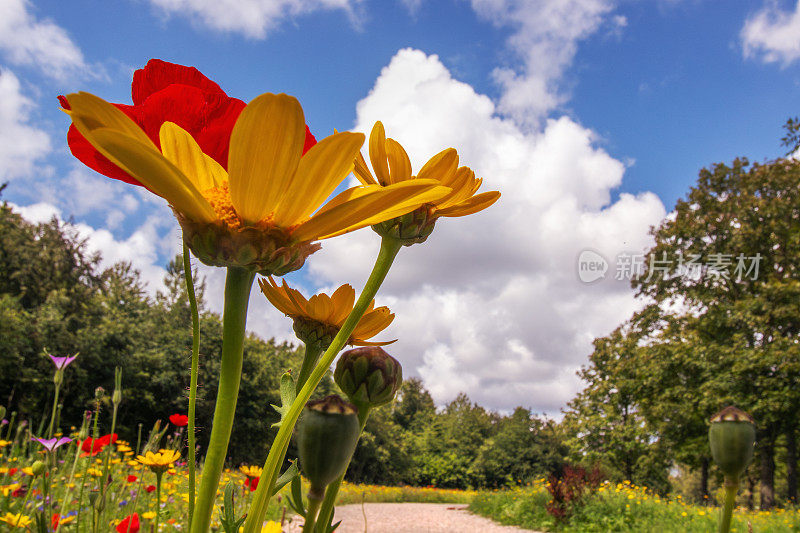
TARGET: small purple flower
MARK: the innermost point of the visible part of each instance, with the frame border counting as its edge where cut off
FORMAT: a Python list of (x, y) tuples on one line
[(52, 444), (62, 362)]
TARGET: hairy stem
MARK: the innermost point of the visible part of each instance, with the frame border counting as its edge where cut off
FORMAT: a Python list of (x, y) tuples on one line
[(258, 508)]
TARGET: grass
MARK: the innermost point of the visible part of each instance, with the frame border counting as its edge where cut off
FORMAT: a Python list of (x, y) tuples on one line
[(623, 508)]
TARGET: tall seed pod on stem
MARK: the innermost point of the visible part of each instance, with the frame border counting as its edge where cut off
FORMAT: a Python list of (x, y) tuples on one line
[(732, 438)]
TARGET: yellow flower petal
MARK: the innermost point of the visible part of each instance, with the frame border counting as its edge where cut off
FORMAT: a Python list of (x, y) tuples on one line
[(320, 307), (266, 145), (154, 171), (367, 206), (180, 148), (440, 167), (321, 169), (399, 163), (342, 299), (93, 112), (377, 153), (472, 205), (361, 171)]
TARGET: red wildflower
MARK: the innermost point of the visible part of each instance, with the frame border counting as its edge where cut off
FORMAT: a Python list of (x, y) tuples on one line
[(92, 446), (12, 471), (179, 419), (19, 492), (166, 92), (129, 525), (150, 488), (252, 483), (132, 479), (54, 521)]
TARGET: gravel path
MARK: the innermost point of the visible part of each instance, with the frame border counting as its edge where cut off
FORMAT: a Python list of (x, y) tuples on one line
[(413, 518)]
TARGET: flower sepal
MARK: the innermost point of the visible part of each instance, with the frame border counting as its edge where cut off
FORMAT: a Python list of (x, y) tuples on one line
[(411, 228), (264, 251)]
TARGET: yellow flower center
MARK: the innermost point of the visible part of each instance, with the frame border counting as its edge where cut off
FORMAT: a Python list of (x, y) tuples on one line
[(220, 200)]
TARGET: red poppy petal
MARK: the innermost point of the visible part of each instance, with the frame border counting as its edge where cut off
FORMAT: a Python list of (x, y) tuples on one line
[(158, 75), (89, 156), (310, 141)]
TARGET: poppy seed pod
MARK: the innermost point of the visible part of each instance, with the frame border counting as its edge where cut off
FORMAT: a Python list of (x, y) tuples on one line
[(327, 435), (732, 437), (369, 376)]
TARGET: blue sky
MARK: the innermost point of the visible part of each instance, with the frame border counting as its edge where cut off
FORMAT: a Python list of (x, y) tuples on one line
[(590, 116)]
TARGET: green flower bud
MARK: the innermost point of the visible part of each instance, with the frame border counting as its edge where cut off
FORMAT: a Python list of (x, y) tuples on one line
[(369, 376), (99, 393), (116, 397), (39, 468), (411, 228), (327, 435), (732, 437)]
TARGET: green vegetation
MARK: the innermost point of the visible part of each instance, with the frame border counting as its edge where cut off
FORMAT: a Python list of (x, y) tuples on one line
[(622, 508)]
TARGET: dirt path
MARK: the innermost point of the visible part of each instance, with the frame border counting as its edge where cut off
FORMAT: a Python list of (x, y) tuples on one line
[(413, 518)]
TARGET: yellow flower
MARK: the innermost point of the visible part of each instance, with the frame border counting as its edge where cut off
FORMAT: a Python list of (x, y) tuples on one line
[(149, 515), (16, 520), (6, 489), (319, 318), (392, 166), (251, 471), (159, 462), (95, 472), (4, 443), (258, 214)]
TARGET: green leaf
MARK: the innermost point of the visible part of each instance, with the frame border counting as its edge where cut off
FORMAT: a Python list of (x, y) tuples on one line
[(287, 477), (287, 396)]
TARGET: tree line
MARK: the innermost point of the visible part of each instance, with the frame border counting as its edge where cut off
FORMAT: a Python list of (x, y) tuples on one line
[(718, 325)]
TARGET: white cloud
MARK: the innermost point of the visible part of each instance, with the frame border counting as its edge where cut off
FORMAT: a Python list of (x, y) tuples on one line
[(24, 40), (544, 40), (252, 18), (21, 144), (491, 305), (772, 34), (90, 192)]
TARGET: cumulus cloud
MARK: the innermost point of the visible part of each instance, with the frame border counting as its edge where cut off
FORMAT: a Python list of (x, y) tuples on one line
[(492, 305), (772, 34), (544, 39), (21, 143), (41, 43), (252, 18)]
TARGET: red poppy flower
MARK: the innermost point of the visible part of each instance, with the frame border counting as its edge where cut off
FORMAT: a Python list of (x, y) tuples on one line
[(166, 92), (94, 446), (19, 492), (132, 479), (129, 525), (252, 483), (150, 488), (12, 471), (179, 420), (54, 521)]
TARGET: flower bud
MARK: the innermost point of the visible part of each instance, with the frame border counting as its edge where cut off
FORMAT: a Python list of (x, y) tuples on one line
[(327, 435), (732, 437), (116, 397), (39, 468), (369, 376), (99, 393), (411, 228)]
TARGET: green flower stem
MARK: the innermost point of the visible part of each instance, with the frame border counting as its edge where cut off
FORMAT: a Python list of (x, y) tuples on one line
[(234, 316), (258, 508), (158, 499), (88, 460), (731, 488), (191, 459), (310, 358), (326, 512), (55, 404), (311, 514)]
